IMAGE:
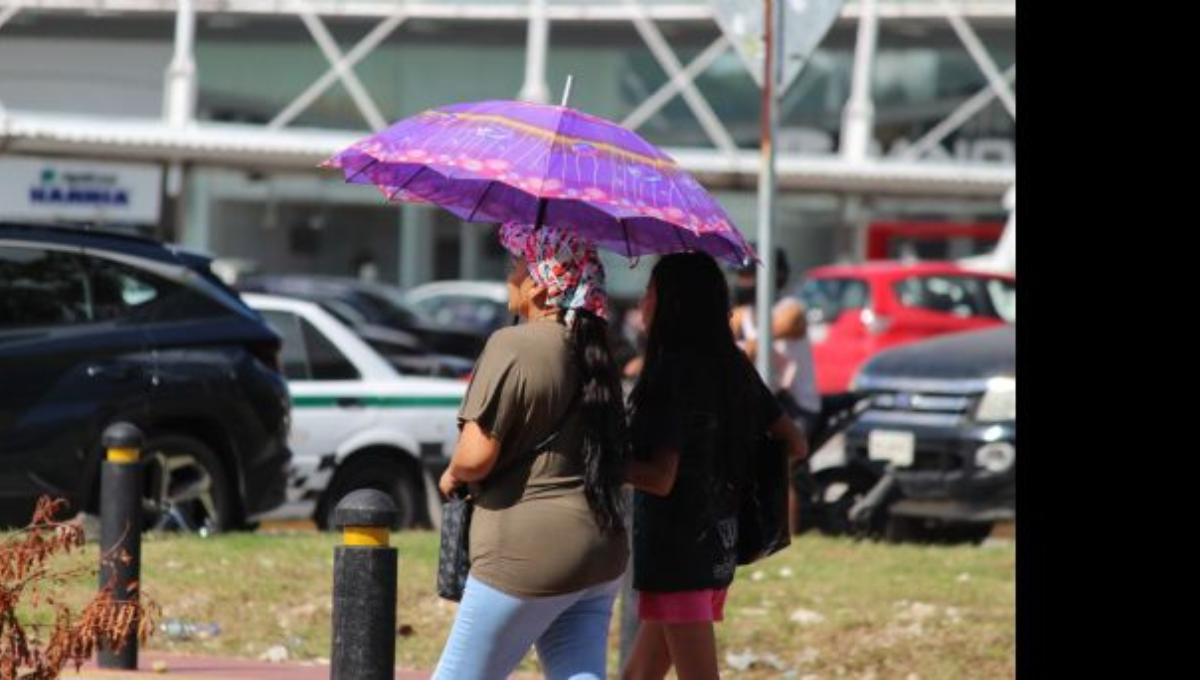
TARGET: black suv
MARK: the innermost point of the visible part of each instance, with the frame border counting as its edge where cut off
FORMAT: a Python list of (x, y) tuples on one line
[(96, 328)]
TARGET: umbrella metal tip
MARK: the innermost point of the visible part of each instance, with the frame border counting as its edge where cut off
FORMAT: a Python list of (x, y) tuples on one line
[(567, 89)]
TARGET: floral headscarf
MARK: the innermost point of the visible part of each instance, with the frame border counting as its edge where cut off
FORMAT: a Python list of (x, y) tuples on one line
[(565, 263)]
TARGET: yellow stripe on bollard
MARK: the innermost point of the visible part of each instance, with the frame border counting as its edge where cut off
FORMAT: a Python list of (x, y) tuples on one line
[(367, 536), (122, 455)]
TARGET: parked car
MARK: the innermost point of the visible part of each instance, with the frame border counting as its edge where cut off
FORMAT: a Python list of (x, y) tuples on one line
[(934, 454), (478, 305), (358, 423), (855, 311), (380, 315), (97, 328)]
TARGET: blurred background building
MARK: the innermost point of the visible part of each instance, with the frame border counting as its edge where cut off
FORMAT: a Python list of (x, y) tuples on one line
[(202, 121)]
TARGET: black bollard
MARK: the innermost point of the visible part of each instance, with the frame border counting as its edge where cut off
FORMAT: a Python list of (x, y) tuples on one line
[(364, 589), (121, 530)]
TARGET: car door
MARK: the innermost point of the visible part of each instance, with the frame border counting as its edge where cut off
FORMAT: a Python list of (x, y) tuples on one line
[(70, 363), (329, 403), (932, 305)]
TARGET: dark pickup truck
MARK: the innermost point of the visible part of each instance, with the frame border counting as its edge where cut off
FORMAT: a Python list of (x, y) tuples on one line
[(941, 431)]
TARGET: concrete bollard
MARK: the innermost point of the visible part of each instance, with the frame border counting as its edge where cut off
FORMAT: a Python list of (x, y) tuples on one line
[(364, 589), (121, 529)]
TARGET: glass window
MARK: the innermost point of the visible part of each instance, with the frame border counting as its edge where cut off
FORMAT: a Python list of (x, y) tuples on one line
[(42, 288), (466, 311), (294, 353), (119, 291), (307, 353), (345, 313), (326, 361), (1003, 295), (960, 296), (115, 291), (827, 299)]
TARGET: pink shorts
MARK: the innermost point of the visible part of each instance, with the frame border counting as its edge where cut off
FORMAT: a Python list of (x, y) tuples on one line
[(687, 606)]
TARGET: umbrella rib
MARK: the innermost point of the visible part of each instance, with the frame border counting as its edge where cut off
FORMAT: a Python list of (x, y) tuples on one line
[(734, 250), (689, 202), (374, 161), (408, 181), (478, 203), (678, 235), (542, 202)]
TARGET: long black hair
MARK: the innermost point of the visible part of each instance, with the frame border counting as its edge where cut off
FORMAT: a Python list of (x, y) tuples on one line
[(691, 313), (605, 438)]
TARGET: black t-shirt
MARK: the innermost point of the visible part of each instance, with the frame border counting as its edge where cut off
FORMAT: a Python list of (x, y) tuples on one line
[(687, 540)]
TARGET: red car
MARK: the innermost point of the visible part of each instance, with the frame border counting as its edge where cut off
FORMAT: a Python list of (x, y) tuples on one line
[(855, 311)]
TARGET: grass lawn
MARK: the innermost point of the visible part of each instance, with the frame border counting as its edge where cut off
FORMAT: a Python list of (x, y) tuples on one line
[(822, 608)]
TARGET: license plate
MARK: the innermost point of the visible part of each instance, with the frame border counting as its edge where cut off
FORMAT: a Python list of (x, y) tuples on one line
[(892, 446)]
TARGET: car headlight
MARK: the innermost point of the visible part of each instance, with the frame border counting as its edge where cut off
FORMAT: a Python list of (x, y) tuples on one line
[(999, 402), (996, 457)]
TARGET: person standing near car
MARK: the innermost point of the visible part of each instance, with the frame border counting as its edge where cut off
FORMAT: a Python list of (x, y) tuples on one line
[(795, 375), (542, 452), (697, 413)]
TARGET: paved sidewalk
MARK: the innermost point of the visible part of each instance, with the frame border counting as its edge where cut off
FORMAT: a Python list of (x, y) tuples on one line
[(181, 667)]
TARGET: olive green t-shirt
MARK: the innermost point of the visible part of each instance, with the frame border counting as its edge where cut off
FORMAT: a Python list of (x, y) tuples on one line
[(532, 532)]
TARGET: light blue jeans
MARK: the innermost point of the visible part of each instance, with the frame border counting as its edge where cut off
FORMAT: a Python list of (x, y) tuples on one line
[(493, 631)]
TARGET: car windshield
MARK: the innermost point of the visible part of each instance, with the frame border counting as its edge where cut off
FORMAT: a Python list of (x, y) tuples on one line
[(466, 311), (389, 310), (963, 296), (827, 298)]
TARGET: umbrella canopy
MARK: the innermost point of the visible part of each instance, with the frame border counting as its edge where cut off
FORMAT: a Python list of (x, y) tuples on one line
[(502, 161)]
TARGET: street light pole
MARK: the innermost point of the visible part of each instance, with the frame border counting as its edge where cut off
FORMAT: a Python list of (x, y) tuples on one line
[(765, 299), (858, 122)]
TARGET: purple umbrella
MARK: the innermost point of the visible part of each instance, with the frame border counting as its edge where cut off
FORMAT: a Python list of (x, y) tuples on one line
[(499, 161)]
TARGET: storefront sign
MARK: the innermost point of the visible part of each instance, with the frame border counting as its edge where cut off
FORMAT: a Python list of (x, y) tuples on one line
[(47, 190)]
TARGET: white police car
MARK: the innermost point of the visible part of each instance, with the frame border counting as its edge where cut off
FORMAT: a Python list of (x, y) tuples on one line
[(356, 422)]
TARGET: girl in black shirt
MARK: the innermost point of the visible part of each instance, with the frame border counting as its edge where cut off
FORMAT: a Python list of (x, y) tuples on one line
[(696, 414)]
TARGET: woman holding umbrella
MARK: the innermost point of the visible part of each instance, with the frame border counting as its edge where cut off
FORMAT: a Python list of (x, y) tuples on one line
[(542, 450), (579, 179), (698, 410)]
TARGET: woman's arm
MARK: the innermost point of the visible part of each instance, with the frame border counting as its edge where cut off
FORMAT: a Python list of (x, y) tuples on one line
[(474, 457), (657, 475), (788, 322)]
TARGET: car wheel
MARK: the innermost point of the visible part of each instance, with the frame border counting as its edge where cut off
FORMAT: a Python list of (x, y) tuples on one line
[(186, 487), (378, 471)]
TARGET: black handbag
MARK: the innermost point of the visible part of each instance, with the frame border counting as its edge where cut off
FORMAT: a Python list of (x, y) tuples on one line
[(454, 559), (763, 527), (454, 562)]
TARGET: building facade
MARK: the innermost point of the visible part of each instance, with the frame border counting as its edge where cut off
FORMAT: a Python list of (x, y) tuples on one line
[(231, 103)]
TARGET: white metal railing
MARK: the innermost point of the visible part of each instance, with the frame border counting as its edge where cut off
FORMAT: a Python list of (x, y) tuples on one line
[(576, 10)]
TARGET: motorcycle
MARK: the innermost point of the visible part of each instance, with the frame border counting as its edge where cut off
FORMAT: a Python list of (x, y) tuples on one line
[(837, 494)]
